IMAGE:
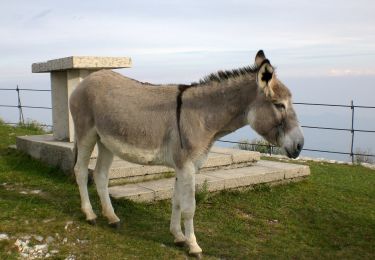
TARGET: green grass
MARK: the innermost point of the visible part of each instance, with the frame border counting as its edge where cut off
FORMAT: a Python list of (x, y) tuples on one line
[(330, 215)]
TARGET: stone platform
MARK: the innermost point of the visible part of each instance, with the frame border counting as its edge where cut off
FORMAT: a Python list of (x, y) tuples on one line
[(225, 168), (221, 179), (125, 172), (47, 149)]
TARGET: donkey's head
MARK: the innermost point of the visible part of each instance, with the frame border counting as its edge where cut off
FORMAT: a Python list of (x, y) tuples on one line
[(271, 114)]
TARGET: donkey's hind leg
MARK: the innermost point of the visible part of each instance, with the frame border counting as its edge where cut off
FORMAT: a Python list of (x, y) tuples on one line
[(103, 163), (85, 146), (175, 225)]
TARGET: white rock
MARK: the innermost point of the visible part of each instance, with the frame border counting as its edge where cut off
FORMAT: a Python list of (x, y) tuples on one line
[(35, 191), (70, 257), (68, 224), (23, 192), (48, 220), (49, 239), (4, 236), (81, 241), (17, 243), (24, 255), (23, 246), (41, 248), (38, 238), (54, 251)]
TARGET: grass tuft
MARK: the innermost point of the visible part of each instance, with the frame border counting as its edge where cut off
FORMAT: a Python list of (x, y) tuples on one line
[(202, 194)]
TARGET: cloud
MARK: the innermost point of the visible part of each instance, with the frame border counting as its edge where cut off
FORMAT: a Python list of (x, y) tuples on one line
[(351, 72), (37, 31), (41, 14)]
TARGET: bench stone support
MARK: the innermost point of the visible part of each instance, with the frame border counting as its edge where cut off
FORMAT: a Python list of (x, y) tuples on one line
[(66, 74), (62, 85)]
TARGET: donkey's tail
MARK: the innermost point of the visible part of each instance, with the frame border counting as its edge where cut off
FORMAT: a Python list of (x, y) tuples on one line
[(75, 154)]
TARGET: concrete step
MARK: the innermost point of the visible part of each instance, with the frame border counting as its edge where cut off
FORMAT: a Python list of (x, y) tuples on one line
[(220, 179), (125, 172)]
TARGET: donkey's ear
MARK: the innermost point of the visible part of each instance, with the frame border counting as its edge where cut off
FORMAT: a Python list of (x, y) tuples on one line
[(265, 77), (259, 58)]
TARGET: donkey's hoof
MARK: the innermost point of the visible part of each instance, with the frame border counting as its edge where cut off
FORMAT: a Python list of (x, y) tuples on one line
[(92, 222), (179, 243), (115, 225), (196, 255)]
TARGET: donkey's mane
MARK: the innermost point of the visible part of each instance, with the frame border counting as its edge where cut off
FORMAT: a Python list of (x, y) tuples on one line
[(222, 75), (213, 77)]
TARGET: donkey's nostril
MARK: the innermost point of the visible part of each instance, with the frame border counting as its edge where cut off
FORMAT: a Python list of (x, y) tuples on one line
[(299, 147)]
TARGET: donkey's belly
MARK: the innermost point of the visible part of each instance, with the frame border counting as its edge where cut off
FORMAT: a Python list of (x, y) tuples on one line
[(133, 153)]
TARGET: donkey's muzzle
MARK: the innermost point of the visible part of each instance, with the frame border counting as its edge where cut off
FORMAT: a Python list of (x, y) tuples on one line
[(293, 143), (294, 153)]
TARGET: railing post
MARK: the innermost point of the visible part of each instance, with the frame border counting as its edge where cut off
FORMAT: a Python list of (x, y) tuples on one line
[(352, 131), (20, 112)]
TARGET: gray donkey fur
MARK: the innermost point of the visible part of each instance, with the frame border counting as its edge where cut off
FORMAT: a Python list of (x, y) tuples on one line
[(175, 125)]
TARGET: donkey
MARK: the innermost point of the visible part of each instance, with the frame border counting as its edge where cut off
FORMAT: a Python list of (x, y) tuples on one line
[(175, 125)]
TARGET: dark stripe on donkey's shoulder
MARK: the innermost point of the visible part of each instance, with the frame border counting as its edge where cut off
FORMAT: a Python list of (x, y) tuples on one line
[(181, 90)]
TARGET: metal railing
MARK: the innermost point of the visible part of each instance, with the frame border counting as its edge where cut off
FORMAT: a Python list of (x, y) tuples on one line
[(352, 130), (21, 119)]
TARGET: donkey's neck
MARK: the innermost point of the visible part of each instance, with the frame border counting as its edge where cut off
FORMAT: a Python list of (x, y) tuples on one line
[(222, 105)]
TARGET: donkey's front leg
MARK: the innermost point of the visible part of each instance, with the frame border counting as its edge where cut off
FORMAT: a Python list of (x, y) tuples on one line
[(185, 185)]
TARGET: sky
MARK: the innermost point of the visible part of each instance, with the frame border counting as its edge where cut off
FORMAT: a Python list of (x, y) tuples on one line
[(323, 50)]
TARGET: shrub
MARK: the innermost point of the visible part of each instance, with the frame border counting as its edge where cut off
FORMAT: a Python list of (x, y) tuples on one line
[(32, 125), (258, 145), (202, 194), (364, 157)]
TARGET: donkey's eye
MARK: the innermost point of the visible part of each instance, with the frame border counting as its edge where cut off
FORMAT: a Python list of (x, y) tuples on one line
[(280, 106)]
